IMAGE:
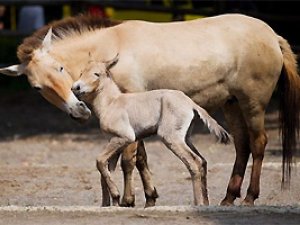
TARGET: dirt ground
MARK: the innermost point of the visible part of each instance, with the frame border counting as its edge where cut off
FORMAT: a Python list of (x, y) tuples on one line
[(46, 159)]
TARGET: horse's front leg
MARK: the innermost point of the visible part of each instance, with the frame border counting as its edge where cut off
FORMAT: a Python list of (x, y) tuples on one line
[(114, 145)]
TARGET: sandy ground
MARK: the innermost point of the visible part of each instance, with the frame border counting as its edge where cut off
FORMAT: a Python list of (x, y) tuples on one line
[(46, 159)]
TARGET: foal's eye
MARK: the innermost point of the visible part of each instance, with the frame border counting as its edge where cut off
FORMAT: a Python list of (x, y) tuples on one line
[(97, 74), (61, 69), (37, 88)]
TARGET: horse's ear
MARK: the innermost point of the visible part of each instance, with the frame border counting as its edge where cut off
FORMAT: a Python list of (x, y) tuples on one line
[(13, 71), (47, 40), (109, 64)]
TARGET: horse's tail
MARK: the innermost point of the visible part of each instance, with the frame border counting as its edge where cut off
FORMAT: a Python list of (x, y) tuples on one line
[(289, 109), (212, 125)]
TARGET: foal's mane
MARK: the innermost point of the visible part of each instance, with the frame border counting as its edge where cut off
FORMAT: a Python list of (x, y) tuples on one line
[(61, 29)]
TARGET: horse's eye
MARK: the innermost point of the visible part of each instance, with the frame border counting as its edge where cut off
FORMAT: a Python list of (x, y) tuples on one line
[(61, 69), (97, 74), (37, 88)]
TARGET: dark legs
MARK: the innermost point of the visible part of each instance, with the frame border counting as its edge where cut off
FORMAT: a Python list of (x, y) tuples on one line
[(142, 166), (239, 131), (128, 163), (247, 127), (133, 155)]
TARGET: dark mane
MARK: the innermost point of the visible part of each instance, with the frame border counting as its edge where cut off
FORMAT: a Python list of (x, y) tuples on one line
[(60, 28)]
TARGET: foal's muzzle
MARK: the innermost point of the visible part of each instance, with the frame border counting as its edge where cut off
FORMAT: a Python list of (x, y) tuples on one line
[(80, 112)]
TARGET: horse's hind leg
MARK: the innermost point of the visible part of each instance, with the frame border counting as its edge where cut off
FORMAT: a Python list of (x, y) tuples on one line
[(258, 139), (142, 166), (239, 130)]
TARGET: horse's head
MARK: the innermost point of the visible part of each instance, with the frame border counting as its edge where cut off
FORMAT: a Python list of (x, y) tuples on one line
[(91, 77), (51, 79)]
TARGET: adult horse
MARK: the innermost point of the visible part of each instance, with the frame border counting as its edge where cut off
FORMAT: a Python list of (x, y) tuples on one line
[(230, 61)]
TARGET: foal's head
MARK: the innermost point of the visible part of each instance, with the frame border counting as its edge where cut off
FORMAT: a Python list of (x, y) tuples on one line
[(91, 77)]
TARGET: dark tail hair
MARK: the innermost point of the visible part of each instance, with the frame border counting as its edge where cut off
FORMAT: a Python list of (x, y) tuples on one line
[(289, 109)]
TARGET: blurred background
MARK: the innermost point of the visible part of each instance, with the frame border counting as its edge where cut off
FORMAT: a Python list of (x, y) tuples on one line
[(19, 19)]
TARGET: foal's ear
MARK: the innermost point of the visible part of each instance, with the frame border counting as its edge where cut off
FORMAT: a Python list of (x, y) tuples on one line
[(109, 64), (47, 40)]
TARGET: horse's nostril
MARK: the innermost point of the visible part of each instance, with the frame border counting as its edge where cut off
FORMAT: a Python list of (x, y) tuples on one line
[(78, 88), (81, 104)]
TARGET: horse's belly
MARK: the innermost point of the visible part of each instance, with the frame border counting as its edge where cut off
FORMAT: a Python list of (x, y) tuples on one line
[(208, 89)]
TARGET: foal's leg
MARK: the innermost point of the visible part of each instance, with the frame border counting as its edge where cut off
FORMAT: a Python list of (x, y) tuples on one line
[(193, 164), (142, 166), (114, 145), (135, 155), (128, 163), (203, 171), (105, 192), (239, 130)]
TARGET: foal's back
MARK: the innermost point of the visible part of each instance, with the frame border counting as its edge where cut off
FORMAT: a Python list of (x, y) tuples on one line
[(147, 111)]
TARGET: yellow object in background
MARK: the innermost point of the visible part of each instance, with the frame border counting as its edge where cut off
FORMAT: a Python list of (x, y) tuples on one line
[(119, 14), (67, 11)]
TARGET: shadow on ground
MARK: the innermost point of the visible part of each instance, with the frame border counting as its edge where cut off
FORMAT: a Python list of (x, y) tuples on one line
[(26, 113)]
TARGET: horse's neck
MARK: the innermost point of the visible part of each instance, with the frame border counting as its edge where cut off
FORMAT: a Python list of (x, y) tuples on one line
[(74, 52), (107, 92)]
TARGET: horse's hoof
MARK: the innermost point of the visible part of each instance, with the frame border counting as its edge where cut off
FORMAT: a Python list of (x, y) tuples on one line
[(247, 202), (226, 202)]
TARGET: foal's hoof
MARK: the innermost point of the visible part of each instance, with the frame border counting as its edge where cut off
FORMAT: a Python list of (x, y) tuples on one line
[(116, 201), (151, 199), (150, 202), (105, 202), (128, 202), (206, 202)]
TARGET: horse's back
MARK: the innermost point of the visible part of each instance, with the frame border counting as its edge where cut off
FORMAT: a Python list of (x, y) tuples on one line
[(216, 56), (223, 41)]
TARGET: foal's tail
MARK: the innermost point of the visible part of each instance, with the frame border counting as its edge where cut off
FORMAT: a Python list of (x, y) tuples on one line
[(213, 125), (289, 90)]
